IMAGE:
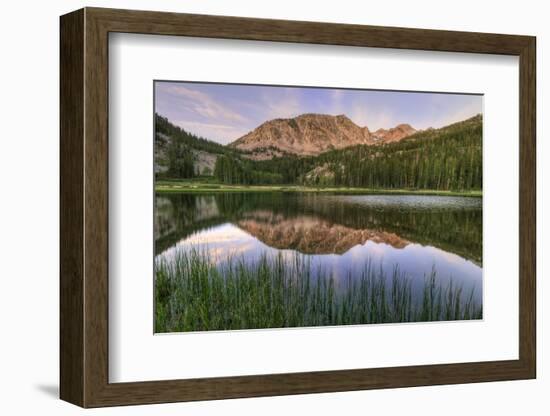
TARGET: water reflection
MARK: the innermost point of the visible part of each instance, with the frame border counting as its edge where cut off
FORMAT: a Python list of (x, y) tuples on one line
[(337, 233)]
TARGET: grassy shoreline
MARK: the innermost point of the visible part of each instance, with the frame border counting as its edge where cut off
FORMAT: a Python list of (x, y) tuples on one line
[(193, 294), (201, 187)]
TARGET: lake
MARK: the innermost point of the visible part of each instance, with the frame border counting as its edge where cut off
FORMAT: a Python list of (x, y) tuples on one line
[(338, 237)]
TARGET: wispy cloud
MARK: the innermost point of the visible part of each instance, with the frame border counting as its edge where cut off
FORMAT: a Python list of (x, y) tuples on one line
[(337, 97), (200, 103), (365, 114), (454, 115), (222, 133), (283, 103)]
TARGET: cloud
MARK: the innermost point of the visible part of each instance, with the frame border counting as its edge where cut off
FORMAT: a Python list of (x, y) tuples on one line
[(365, 116), (200, 103), (472, 108), (337, 105), (286, 105), (222, 133)]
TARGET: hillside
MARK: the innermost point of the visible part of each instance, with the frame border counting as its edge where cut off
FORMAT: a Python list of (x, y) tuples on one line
[(448, 158), (311, 135), (445, 158), (180, 154)]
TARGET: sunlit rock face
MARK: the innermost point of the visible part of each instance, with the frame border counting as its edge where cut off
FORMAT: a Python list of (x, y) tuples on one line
[(311, 235), (394, 134), (313, 134)]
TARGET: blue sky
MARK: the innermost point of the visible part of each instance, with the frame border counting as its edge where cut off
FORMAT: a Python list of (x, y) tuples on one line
[(225, 112)]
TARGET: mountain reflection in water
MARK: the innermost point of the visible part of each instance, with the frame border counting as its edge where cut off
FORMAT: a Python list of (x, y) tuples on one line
[(311, 235), (337, 233)]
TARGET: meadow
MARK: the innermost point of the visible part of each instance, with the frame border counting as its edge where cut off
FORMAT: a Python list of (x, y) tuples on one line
[(202, 185)]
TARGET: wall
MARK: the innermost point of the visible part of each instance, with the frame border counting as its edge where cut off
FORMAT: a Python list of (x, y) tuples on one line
[(29, 209)]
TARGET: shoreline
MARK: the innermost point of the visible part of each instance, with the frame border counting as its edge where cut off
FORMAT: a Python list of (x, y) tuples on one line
[(191, 187)]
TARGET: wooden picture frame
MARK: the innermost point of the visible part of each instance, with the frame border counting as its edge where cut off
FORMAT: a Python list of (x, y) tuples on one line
[(84, 207)]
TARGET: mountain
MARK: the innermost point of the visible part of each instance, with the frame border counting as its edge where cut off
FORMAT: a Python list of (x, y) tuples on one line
[(311, 135), (322, 150), (394, 134)]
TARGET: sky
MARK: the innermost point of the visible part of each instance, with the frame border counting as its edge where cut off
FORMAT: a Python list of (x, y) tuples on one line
[(225, 112)]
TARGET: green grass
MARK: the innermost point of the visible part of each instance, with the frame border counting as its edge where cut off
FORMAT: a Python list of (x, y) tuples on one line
[(200, 186), (193, 295)]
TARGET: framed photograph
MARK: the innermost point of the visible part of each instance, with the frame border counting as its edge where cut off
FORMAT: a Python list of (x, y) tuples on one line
[(257, 207)]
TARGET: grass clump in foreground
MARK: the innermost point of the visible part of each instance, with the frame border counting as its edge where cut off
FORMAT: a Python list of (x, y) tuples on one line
[(191, 294)]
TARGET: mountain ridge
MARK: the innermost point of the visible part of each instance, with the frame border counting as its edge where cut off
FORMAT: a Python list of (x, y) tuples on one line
[(444, 158), (311, 134)]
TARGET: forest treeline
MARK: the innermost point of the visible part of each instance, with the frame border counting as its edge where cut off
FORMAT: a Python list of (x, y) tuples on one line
[(182, 138), (449, 158), (174, 149)]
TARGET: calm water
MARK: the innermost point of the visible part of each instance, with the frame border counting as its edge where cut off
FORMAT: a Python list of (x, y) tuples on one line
[(338, 234)]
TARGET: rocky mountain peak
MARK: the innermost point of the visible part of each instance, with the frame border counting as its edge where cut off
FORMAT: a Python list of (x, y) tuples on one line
[(311, 134)]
